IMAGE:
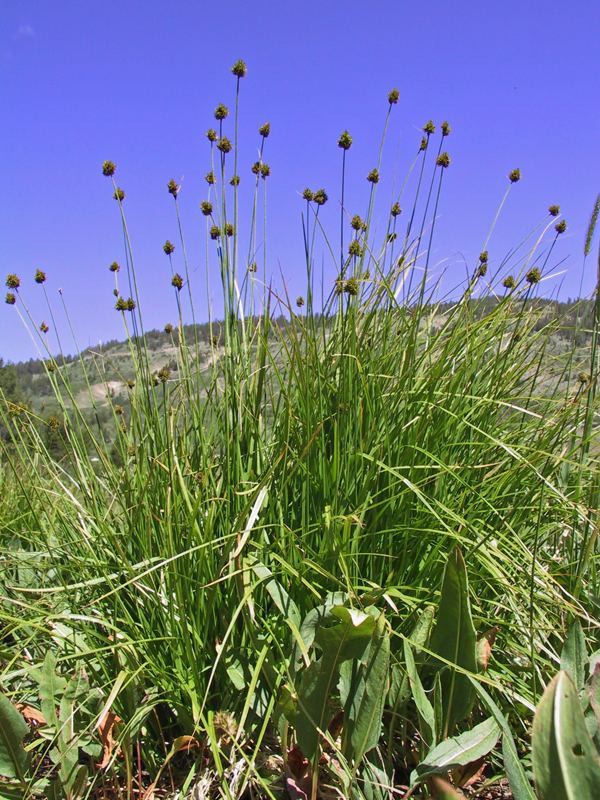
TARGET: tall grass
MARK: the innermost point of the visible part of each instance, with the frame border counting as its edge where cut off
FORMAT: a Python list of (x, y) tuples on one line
[(343, 447)]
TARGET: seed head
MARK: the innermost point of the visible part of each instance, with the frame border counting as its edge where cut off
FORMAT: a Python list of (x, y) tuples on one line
[(168, 328), (443, 160), (509, 282), (308, 195), (206, 208), (265, 130), (50, 367), (393, 97), (177, 281), (299, 301), (215, 232), (554, 211), (114, 267), (446, 129), (483, 257), (229, 229), (481, 270), (173, 188), (423, 145), (256, 167), (116, 292), (391, 237), (357, 223), (265, 171), (119, 411), (560, 227), (119, 195), (351, 287), (252, 267), (355, 249), (221, 111), (514, 176), (39, 277), (373, 176), (320, 197), (210, 178), (121, 304), (130, 384), (224, 145), (12, 281), (584, 377), (109, 168), (130, 303), (163, 374), (396, 210), (533, 276), (345, 141), (11, 298), (211, 135), (429, 127), (214, 341), (168, 247), (44, 328), (239, 69), (235, 181)]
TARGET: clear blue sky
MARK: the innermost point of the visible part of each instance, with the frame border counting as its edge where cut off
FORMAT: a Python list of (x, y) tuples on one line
[(136, 82)]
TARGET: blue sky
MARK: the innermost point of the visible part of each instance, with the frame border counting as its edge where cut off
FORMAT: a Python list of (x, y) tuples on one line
[(137, 82)]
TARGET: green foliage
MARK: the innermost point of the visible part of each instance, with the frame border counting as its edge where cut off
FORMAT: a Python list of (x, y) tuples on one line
[(13, 729)]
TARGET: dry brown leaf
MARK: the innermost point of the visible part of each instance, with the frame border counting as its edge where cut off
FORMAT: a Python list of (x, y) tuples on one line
[(31, 714), (106, 727)]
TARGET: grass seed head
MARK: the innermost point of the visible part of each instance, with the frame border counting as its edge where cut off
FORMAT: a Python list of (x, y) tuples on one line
[(443, 160), (239, 69), (429, 127), (252, 267), (345, 141), (299, 301), (373, 176), (265, 171), (229, 229), (446, 129), (206, 208), (256, 167), (40, 276), (173, 188), (211, 135), (533, 276), (12, 281), (10, 298), (210, 178), (168, 328), (215, 232), (320, 197), (351, 287), (235, 181), (163, 374), (224, 145), (393, 97), (308, 195), (109, 168), (130, 304), (483, 257), (560, 227), (554, 211), (357, 223), (354, 248), (168, 247), (514, 176), (177, 281), (509, 282), (265, 130), (114, 267), (221, 112), (396, 210), (119, 195), (423, 145)]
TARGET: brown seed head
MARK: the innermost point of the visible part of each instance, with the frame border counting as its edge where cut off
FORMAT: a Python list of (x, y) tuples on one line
[(235, 181), (168, 247), (308, 195), (351, 287), (373, 176), (229, 229), (211, 135), (206, 208), (533, 276), (483, 256), (345, 141), (12, 281), (560, 227), (224, 145), (10, 298), (393, 97), (177, 281), (265, 130), (429, 128), (423, 145), (109, 168), (119, 195), (265, 171), (210, 178), (396, 210), (114, 267), (39, 277), (354, 248), (554, 211), (514, 176), (163, 374), (356, 222), (173, 188), (443, 160), (446, 129), (168, 328), (320, 197), (215, 232), (221, 111), (509, 282), (239, 69), (299, 301)]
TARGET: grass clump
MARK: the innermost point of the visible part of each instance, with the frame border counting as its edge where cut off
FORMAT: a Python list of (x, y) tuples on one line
[(300, 458)]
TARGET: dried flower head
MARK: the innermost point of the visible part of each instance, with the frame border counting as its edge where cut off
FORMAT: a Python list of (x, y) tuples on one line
[(481, 270), (584, 377), (177, 281), (483, 256), (320, 197), (446, 129), (373, 176), (357, 222), (116, 292), (509, 282), (221, 111), (168, 247), (224, 145), (119, 195), (514, 176), (391, 237), (354, 248), (114, 267), (206, 208), (239, 69), (229, 229), (265, 130), (173, 188), (533, 276), (235, 181), (121, 304), (554, 211), (265, 171), (423, 145), (215, 232), (308, 195), (168, 328), (53, 422), (50, 366), (256, 167), (345, 141), (10, 298), (12, 281), (396, 210), (443, 160), (39, 277), (429, 128), (130, 383), (210, 178), (163, 374), (560, 227), (109, 168), (299, 301), (130, 304), (211, 135), (214, 341), (119, 410), (252, 267), (393, 97)]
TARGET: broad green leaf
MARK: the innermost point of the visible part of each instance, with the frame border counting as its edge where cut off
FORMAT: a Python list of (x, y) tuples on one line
[(314, 618), (283, 602), (13, 729), (454, 639), (517, 779), (573, 658), (458, 751), (363, 706), (421, 700), (51, 688), (399, 693), (566, 765)]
